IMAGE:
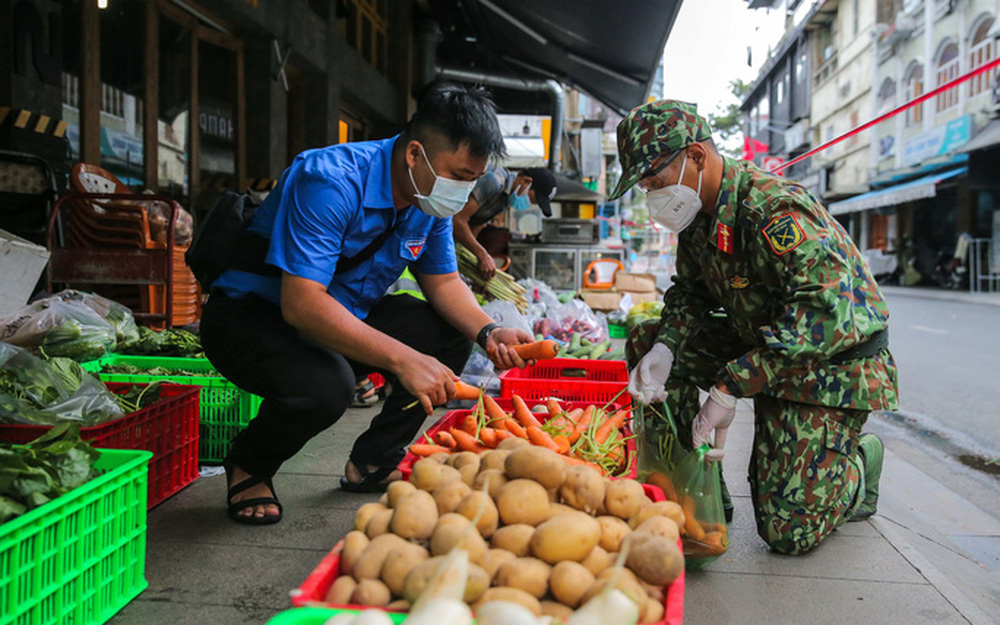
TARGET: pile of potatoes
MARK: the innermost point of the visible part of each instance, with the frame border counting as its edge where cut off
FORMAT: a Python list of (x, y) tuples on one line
[(547, 538)]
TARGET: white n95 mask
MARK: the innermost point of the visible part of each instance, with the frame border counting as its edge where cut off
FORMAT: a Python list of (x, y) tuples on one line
[(447, 196), (675, 206)]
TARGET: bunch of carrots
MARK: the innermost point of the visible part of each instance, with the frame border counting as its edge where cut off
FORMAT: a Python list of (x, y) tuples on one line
[(591, 435)]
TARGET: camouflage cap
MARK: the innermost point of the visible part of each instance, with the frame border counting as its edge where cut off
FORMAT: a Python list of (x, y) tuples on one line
[(654, 129)]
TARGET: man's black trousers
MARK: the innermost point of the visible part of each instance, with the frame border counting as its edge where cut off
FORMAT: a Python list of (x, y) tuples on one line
[(307, 388)]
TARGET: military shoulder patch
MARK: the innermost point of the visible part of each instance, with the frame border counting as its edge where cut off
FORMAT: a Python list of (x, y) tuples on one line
[(783, 234)]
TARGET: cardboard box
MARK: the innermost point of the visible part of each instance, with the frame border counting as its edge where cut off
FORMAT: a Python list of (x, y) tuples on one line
[(602, 300), (635, 282), (21, 264), (643, 297)]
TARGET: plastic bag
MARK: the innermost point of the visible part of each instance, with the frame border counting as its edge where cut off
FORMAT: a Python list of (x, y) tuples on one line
[(39, 392), (479, 372), (686, 478), (60, 328), (118, 316), (643, 311), (573, 316), (506, 315), (539, 292)]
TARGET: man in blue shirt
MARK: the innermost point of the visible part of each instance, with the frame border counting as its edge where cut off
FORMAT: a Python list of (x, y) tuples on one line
[(342, 224)]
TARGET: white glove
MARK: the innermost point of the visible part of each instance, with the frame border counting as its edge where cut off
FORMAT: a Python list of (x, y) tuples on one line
[(647, 381), (716, 415)]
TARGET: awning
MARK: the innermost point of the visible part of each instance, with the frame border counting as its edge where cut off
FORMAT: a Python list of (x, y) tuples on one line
[(523, 152), (569, 190), (610, 51), (907, 192), (988, 137)]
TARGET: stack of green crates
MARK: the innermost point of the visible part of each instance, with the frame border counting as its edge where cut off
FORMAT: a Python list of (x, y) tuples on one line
[(81, 557), (225, 409)]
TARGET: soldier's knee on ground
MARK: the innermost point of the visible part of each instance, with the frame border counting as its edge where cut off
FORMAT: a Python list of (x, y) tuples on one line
[(793, 537)]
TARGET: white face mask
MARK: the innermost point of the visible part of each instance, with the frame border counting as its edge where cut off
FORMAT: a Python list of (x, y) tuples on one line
[(447, 196), (675, 206)]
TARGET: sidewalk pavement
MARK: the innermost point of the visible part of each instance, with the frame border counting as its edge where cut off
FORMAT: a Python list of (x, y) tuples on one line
[(203, 568), (946, 295)]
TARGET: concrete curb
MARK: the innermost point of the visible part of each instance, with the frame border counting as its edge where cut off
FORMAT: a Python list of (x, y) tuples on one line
[(969, 610), (965, 297)]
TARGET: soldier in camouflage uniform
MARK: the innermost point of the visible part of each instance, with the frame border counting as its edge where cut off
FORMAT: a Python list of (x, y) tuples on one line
[(771, 301)]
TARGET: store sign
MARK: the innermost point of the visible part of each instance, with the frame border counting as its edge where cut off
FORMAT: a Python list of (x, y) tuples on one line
[(938, 141), (215, 122)]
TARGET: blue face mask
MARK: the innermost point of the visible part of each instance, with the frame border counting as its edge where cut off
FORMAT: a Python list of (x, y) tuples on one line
[(520, 202)]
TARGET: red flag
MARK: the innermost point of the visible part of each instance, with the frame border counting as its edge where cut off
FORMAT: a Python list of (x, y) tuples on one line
[(752, 147)]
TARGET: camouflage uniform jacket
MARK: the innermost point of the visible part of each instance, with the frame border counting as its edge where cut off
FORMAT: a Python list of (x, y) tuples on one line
[(795, 289)]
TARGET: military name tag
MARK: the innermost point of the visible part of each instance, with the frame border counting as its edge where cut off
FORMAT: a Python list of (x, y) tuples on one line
[(783, 234)]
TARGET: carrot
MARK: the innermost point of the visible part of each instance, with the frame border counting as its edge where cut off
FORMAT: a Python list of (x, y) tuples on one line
[(502, 435), (579, 461), (513, 427), (539, 350), (614, 423), (469, 425), (560, 425), (445, 439), (540, 438), (493, 410), (522, 414), (574, 415), (466, 442), (664, 483), (553, 406), (562, 442), (466, 391), (582, 424), (489, 437), (424, 449), (691, 527)]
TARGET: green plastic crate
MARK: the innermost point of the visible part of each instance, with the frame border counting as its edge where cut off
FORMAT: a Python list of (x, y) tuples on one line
[(318, 616), (225, 410), (81, 557), (616, 331)]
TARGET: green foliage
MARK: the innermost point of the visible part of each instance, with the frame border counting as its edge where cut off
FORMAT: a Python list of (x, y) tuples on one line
[(726, 121)]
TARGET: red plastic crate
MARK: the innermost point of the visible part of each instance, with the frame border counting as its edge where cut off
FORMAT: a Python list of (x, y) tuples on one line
[(168, 428), (570, 379), (313, 591), (454, 417)]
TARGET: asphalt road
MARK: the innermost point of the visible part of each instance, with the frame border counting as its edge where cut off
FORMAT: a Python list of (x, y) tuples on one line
[(948, 354)]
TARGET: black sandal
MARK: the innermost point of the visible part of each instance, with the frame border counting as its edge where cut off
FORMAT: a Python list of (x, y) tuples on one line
[(371, 482), (234, 508), (359, 400)]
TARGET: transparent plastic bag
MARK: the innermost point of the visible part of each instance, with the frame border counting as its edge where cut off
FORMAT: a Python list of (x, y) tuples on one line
[(479, 372), (39, 392), (506, 315), (686, 478), (118, 316), (573, 317), (60, 328)]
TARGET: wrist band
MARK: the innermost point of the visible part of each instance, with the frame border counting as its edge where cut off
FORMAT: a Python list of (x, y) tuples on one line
[(484, 334)]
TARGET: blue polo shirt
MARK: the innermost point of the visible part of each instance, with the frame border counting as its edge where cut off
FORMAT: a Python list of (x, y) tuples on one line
[(331, 203)]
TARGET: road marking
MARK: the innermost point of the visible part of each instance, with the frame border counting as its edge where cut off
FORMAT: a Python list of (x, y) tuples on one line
[(931, 330)]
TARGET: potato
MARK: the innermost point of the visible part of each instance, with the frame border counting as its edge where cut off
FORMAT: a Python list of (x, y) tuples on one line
[(354, 543), (418, 577), (660, 526), (379, 524), (512, 443), (397, 490), (468, 474), (568, 536), (365, 514), (428, 474), (583, 489), (469, 508), (450, 530), (613, 530), (398, 563), (492, 459), (556, 610), (415, 516), (440, 457), (555, 509), (463, 459), (655, 559), (627, 582), (400, 605), (623, 498), (476, 584), (523, 501), (569, 581), (514, 595), (597, 561), (494, 558), (448, 495), (369, 563), (341, 590), (652, 612), (384, 500), (371, 592), (514, 538), (496, 478), (536, 463), (650, 509)]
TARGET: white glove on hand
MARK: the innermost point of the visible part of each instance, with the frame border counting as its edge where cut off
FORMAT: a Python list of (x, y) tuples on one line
[(716, 415), (647, 381)]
